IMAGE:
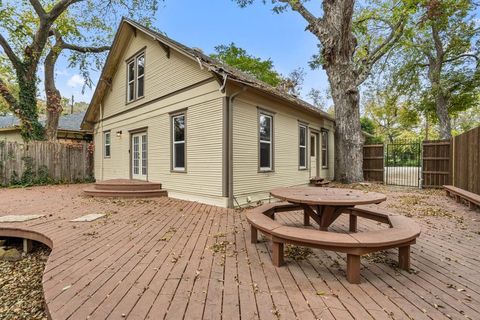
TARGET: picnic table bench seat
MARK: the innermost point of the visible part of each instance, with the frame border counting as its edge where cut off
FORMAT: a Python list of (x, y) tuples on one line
[(473, 199), (401, 234)]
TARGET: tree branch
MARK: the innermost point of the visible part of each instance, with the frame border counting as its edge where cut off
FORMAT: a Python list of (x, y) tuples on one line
[(315, 25), (378, 52), (7, 95), (84, 49), (463, 55), (9, 52), (60, 7), (37, 6)]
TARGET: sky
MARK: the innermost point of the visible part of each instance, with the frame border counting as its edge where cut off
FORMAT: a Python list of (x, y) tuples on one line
[(206, 24)]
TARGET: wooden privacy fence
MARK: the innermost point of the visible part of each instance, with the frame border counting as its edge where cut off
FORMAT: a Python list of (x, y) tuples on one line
[(436, 163), (373, 165), (444, 162), (466, 161), (45, 162)]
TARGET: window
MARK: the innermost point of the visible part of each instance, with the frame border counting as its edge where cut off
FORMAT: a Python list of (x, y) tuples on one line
[(313, 146), (140, 75), (265, 139), (302, 147), (136, 77), (324, 149), (178, 140), (106, 144), (131, 81)]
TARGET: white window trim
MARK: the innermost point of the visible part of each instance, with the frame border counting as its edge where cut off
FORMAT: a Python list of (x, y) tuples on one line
[(139, 77), (130, 99), (105, 144), (174, 143), (324, 148), (300, 127), (269, 168)]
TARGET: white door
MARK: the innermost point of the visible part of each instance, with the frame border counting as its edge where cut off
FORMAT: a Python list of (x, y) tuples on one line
[(314, 155), (139, 156)]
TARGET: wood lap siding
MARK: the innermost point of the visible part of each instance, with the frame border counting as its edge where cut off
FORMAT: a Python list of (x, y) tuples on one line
[(164, 80), (203, 147), (246, 177), (162, 75)]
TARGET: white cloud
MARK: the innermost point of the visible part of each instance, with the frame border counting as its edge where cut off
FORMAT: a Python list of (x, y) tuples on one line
[(75, 81)]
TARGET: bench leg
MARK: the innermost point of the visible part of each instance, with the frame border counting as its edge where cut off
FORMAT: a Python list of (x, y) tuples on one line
[(472, 206), (27, 245), (404, 258), (253, 234), (458, 199), (277, 254), (306, 219), (353, 268), (353, 223)]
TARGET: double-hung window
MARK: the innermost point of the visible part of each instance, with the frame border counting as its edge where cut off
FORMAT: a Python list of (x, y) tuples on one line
[(178, 142), (106, 144), (324, 149), (136, 77), (302, 147), (266, 142)]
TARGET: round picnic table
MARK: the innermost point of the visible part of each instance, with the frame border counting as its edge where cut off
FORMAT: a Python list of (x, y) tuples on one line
[(325, 205)]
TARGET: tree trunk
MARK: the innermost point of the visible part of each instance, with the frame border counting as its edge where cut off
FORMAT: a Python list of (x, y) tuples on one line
[(348, 133), (54, 98), (26, 108), (444, 123), (338, 50)]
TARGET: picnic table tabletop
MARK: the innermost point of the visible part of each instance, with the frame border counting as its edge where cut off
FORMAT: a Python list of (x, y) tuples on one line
[(325, 205), (327, 196)]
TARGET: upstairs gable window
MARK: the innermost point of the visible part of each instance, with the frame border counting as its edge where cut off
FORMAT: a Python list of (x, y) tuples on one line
[(136, 77)]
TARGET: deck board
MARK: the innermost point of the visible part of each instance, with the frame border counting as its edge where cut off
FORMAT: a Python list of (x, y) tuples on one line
[(170, 259)]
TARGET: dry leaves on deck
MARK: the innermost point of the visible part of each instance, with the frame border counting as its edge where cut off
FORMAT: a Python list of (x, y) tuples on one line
[(21, 293)]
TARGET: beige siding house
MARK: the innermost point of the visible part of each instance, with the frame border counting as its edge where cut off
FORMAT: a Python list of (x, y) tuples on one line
[(167, 113)]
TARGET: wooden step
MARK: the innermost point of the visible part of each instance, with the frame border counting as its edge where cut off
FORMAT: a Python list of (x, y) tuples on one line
[(127, 185), (94, 192)]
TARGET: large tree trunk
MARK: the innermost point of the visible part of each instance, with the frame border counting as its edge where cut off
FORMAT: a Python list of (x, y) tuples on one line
[(54, 98), (444, 123), (348, 134), (26, 107), (338, 50)]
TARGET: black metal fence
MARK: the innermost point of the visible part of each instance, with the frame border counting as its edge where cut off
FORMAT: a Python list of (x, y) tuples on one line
[(403, 161)]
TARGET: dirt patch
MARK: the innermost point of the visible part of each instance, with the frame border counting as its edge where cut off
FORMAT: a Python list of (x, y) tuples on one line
[(21, 293)]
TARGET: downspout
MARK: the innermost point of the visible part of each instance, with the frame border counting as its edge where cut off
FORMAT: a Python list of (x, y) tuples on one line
[(102, 137), (230, 144)]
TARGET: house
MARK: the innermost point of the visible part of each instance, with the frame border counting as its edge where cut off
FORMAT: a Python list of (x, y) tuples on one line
[(167, 113), (68, 128)]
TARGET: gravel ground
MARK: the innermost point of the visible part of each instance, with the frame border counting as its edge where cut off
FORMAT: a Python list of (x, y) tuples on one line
[(21, 294)]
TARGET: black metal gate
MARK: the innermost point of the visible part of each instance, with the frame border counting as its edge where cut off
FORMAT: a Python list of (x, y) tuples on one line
[(403, 163)]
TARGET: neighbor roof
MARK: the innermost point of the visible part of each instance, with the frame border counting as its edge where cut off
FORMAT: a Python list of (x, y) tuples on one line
[(215, 66), (8, 121), (70, 122)]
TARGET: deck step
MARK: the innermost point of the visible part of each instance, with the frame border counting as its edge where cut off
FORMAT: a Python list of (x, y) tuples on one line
[(134, 185), (124, 188), (125, 193)]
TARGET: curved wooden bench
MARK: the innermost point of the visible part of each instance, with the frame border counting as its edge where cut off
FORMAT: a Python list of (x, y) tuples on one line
[(401, 234)]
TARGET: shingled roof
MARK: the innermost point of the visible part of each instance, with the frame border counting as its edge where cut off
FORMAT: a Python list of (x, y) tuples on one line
[(231, 73), (220, 69), (70, 122)]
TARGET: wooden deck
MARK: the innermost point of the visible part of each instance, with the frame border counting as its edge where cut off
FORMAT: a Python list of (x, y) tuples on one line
[(170, 259)]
